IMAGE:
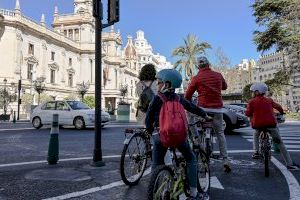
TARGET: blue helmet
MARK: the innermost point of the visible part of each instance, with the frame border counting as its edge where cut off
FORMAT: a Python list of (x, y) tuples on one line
[(170, 75)]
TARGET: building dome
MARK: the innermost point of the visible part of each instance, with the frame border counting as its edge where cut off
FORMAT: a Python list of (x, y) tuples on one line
[(130, 51)]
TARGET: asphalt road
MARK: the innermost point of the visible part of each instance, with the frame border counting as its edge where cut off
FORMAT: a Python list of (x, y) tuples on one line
[(24, 173)]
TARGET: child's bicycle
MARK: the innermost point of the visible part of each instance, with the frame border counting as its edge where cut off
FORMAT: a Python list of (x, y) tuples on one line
[(169, 182), (265, 149)]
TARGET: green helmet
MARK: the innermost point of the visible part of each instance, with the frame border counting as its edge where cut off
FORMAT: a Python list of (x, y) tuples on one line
[(170, 75)]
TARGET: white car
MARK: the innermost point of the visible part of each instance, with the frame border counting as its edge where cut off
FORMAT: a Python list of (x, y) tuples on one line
[(73, 113)]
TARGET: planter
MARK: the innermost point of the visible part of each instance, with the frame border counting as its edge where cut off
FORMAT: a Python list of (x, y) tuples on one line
[(123, 112)]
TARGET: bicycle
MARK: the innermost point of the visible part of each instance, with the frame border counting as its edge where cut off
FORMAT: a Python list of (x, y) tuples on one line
[(136, 152), (174, 182), (265, 149)]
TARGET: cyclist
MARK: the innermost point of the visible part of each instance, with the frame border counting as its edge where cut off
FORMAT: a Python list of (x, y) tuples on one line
[(209, 85), (260, 110), (145, 89), (167, 81)]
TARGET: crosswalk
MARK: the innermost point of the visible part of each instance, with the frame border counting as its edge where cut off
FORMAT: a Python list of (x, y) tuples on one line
[(289, 135)]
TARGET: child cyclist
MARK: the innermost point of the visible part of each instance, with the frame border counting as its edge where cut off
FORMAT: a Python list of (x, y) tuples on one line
[(260, 110), (167, 81)]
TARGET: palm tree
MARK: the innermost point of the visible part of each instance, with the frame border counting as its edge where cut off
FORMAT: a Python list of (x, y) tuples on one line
[(188, 55)]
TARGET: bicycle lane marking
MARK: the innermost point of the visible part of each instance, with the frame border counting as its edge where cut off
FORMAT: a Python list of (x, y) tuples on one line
[(93, 190), (292, 182)]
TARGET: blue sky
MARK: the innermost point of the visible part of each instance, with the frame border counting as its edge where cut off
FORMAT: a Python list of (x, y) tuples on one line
[(228, 24)]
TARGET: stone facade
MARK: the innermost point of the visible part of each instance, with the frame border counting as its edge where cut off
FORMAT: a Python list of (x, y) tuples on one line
[(64, 55)]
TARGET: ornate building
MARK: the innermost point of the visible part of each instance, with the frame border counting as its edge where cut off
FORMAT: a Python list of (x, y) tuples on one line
[(64, 54)]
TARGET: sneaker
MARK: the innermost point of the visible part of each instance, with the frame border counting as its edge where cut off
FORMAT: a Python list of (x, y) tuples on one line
[(227, 168), (200, 196), (293, 167), (256, 155)]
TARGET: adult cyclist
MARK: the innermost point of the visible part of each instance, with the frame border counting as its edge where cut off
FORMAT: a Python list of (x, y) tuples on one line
[(209, 85)]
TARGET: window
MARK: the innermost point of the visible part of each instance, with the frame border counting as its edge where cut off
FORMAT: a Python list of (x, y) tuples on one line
[(52, 76), (50, 106), (31, 49), (66, 33), (76, 34), (29, 71), (52, 55), (61, 106), (71, 33), (70, 80), (70, 62)]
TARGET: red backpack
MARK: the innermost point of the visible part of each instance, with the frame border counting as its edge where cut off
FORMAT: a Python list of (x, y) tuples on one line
[(173, 125)]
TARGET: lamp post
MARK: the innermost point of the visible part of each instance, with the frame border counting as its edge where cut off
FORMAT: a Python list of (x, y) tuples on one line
[(4, 96), (39, 87), (19, 99)]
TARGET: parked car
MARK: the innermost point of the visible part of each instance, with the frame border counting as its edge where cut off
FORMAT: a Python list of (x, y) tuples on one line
[(73, 113), (279, 117), (234, 118)]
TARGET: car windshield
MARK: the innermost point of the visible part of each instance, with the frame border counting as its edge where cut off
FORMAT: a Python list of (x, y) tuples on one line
[(77, 105)]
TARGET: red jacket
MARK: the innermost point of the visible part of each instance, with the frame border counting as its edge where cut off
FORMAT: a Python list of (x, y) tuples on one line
[(260, 109), (209, 85)]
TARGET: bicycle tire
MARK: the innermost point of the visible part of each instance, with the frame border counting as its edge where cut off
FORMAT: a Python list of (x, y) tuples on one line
[(154, 181), (202, 157), (208, 148), (124, 177), (266, 161)]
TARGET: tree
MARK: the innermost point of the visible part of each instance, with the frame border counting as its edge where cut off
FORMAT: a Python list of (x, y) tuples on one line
[(280, 22), (123, 91), (223, 62), (188, 55), (90, 101), (247, 92)]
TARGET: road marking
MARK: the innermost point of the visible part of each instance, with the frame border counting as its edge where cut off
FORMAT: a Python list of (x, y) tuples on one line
[(93, 190), (292, 182), (215, 183), (60, 160), (284, 141), (16, 129)]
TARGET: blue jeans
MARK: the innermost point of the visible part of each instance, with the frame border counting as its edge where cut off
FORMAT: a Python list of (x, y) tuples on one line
[(159, 152)]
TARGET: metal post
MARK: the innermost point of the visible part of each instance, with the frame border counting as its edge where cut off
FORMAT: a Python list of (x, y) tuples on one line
[(97, 12), (19, 99)]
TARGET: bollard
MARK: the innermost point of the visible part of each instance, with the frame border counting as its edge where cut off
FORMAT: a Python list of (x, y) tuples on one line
[(14, 119), (53, 150)]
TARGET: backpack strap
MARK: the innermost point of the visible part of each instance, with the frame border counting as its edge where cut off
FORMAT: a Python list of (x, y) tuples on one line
[(162, 97)]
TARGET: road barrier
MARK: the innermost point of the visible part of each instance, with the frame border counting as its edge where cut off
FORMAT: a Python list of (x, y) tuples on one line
[(53, 149)]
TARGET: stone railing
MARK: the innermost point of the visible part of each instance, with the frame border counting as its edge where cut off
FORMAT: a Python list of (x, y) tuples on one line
[(12, 16), (9, 13)]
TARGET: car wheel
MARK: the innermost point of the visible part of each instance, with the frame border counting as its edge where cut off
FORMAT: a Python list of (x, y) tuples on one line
[(37, 122), (227, 126), (79, 123)]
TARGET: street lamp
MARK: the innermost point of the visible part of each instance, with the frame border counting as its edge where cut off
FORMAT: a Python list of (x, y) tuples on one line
[(82, 89), (39, 87), (4, 96)]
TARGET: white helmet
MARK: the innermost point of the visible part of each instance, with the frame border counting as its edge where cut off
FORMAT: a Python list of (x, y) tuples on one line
[(262, 88)]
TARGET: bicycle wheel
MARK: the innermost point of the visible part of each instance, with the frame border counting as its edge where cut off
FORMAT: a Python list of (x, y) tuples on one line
[(266, 161), (208, 149), (133, 160), (161, 184), (203, 172)]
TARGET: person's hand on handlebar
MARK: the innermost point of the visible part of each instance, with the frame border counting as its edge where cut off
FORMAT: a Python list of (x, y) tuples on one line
[(208, 118)]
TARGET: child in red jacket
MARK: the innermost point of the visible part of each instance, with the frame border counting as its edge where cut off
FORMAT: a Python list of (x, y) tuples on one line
[(260, 110)]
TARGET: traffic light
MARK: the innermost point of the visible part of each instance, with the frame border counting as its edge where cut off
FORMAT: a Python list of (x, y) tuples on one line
[(113, 11)]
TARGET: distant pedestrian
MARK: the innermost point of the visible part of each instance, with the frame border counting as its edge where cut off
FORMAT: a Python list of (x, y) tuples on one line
[(146, 90)]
